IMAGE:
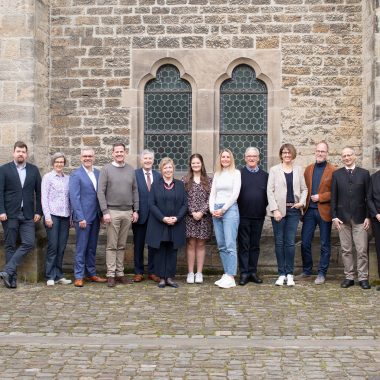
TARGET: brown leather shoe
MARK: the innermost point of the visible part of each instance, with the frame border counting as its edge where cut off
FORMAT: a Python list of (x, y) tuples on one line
[(111, 282), (123, 280), (96, 279), (138, 278), (78, 283), (154, 278)]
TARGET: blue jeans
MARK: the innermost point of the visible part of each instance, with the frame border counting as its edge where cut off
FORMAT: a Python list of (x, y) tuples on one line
[(285, 238), (226, 229), (311, 220), (57, 239)]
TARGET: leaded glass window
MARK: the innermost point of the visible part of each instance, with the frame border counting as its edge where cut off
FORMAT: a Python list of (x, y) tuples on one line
[(167, 117), (243, 114)]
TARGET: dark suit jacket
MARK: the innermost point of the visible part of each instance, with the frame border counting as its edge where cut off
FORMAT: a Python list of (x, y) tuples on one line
[(159, 209), (374, 195), (144, 194), (349, 196), (12, 194), (83, 196), (324, 190)]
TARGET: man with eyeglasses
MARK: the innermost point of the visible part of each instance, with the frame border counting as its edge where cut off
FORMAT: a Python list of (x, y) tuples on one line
[(317, 212), (83, 185), (252, 204), (350, 216)]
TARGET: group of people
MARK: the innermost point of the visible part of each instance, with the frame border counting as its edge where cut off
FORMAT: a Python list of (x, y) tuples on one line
[(166, 213)]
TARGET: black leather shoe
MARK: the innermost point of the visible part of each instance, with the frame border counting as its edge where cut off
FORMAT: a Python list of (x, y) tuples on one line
[(13, 282), (170, 282), (364, 284), (161, 284), (256, 279), (6, 278), (244, 279), (347, 283)]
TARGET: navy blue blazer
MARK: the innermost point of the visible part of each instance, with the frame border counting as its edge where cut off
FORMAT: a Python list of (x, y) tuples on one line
[(83, 196), (12, 194), (158, 210), (144, 194)]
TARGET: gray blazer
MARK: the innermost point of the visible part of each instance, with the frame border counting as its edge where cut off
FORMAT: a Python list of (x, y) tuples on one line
[(276, 189)]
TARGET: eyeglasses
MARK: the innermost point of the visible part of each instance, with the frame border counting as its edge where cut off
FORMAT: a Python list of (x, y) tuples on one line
[(321, 151), (347, 155), (87, 156), (252, 155)]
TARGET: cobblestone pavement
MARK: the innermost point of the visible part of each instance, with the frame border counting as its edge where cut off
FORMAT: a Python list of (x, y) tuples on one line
[(195, 332)]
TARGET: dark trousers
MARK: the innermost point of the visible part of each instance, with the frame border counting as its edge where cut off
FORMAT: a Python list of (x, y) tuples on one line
[(57, 239), (139, 233), (85, 251), (14, 228), (376, 232), (285, 240), (249, 235), (165, 260), (311, 220)]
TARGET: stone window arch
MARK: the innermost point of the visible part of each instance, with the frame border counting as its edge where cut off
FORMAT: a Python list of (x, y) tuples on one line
[(168, 116), (243, 114)]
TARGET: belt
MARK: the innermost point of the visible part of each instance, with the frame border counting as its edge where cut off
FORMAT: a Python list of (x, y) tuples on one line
[(120, 208), (289, 204)]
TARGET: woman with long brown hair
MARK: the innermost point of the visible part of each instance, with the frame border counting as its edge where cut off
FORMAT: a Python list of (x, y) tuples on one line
[(198, 219)]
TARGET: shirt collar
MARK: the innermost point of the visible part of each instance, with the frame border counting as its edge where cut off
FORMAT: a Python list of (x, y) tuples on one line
[(56, 174), (255, 170), (118, 165), (88, 171), (20, 166), (353, 168)]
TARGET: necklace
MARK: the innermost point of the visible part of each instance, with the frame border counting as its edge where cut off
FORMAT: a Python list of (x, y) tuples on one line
[(170, 186)]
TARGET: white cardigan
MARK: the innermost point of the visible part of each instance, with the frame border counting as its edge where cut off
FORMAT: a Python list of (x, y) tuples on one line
[(277, 189)]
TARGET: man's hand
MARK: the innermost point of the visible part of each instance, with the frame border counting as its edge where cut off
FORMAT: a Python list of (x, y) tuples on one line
[(135, 217), (107, 218), (37, 218), (82, 224), (3, 217), (366, 224), (315, 198), (337, 223)]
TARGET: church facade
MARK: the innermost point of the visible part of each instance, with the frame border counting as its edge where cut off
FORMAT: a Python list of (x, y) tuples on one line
[(185, 76)]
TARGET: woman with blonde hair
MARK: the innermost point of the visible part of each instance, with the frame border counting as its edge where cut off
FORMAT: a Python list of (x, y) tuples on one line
[(166, 224), (225, 214)]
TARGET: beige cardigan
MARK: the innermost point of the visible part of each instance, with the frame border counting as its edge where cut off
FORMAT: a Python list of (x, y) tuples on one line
[(276, 189)]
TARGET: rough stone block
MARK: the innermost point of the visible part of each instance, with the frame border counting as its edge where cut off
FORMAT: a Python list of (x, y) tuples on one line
[(242, 42), (271, 42), (218, 42), (167, 42), (144, 42)]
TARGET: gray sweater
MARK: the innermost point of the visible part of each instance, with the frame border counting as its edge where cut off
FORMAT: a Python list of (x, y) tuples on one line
[(117, 189)]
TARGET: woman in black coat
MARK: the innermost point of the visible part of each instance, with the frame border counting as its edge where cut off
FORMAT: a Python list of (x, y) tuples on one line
[(166, 224)]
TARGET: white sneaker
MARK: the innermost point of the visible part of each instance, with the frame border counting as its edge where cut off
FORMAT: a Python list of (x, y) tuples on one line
[(198, 278), (228, 282), (190, 278), (50, 282), (220, 280), (280, 281), (63, 281), (290, 280), (320, 280)]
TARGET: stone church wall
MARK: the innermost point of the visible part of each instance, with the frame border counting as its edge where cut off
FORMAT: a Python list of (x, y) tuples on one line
[(321, 46)]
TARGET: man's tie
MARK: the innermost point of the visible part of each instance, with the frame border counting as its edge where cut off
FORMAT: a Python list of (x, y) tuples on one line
[(148, 180)]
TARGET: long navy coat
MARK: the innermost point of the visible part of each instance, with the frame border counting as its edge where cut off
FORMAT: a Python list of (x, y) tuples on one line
[(159, 209)]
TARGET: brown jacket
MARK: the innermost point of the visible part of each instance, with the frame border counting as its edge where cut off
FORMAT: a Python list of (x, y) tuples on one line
[(324, 190)]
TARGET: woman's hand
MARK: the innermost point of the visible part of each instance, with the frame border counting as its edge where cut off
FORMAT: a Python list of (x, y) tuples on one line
[(277, 216), (170, 220), (48, 223), (197, 215), (297, 205), (218, 213)]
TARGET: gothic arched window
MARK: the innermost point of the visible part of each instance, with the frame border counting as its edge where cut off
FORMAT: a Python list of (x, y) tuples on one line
[(167, 116), (243, 114)]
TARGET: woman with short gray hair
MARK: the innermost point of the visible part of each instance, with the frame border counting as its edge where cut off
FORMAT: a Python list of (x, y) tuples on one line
[(56, 208)]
